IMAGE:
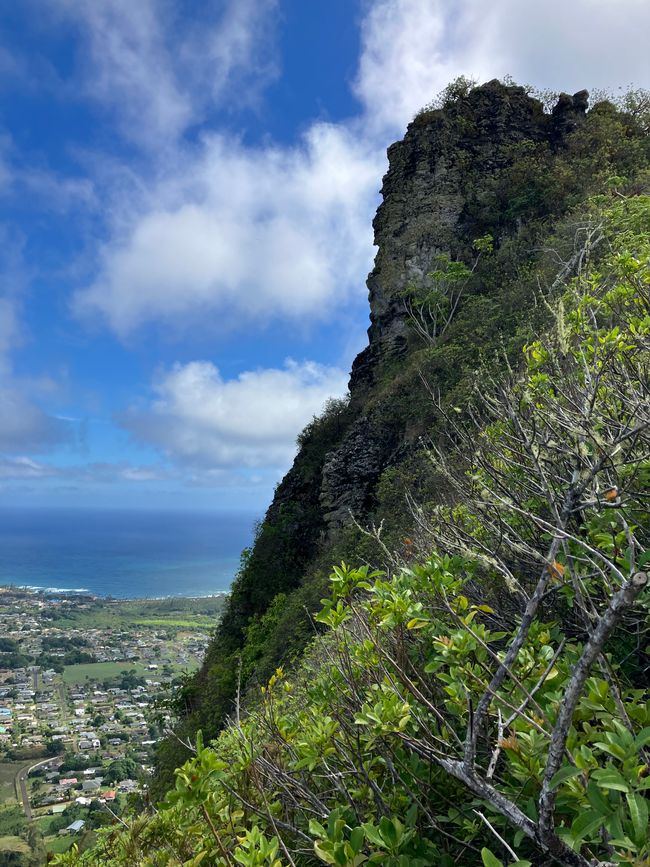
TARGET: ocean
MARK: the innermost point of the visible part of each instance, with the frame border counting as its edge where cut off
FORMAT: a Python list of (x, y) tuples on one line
[(122, 553)]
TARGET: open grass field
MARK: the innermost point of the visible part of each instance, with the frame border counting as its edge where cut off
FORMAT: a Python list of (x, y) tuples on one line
[(100, 671), (57, 845), (44, 823), (8, 771), (197, 622), (185, 613)]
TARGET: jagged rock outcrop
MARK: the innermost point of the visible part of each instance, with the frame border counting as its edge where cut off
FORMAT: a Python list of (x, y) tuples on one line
[(430, 183), (428, 208)]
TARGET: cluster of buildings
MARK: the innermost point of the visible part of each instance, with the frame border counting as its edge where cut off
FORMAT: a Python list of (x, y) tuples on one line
[(81, 733)]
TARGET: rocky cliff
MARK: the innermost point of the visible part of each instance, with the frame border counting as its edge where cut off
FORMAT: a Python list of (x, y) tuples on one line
[(488, 161)]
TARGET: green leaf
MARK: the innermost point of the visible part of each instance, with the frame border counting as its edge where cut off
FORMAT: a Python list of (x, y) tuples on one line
[(356, 839), (323, 855), (490, 860), (565, 773), (388, 831), (316, 829), (639, 813), (585, 824), (610, 778), (597, 800), (417, 623), (372, 834), (642, 739)]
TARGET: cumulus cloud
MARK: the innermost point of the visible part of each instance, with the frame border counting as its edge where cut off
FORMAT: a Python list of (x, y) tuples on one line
[(285, 231), (254, 233), (202, 420), (411, 49)]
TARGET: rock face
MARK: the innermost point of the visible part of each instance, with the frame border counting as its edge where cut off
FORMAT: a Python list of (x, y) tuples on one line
[(426, 195), (428, 209)]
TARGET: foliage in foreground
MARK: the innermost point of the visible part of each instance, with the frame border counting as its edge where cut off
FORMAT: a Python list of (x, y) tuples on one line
[(489, 703)]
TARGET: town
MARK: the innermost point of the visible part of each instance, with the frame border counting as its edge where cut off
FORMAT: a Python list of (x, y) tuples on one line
[(83, 683)]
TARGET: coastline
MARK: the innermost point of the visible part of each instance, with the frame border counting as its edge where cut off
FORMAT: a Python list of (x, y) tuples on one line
[(82, 593)]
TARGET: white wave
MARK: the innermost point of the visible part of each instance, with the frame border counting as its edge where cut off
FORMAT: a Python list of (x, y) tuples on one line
[(52, 589)]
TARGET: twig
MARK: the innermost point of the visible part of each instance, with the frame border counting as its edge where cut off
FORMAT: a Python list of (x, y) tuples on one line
[(619, 604), (511, 851)]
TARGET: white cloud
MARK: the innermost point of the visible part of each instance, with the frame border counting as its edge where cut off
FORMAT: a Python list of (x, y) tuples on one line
[(411, 49), (254, 233), (202, 420), (406, 59), (258, 233), (564, 46), (24, 468), (24, 426), (156, 69), (128, 66)]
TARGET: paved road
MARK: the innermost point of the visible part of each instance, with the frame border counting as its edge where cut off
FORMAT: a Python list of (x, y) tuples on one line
[(21, 785)]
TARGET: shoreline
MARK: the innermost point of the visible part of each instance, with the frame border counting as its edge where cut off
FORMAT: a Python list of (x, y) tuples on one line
[(83, 593)]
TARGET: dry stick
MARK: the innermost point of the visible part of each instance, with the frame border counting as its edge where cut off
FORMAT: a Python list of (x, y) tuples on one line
[(538, 685), (497, 800), (277, 833), (495, 755), (215, 834), (484, 818), (238, 693), (619, 604), (522, 633), (259, 812)]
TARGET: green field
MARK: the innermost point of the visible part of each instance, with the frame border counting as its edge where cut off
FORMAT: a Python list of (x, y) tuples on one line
[(197, 622), (101, 671), (8, 771), (108, 670), (59, 844), (177, 613)]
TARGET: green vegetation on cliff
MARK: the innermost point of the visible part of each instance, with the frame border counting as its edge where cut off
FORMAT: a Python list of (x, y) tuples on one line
[(488, 164), (481, 698)]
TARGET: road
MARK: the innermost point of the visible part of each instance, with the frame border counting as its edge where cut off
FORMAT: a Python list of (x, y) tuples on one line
[(21, 785)]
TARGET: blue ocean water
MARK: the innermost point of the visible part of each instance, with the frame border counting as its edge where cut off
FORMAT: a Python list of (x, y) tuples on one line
[(125, 554)]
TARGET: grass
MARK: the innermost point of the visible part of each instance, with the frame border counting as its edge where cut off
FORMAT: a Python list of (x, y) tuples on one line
[(8, 771), (202, 614), (57, 844), (197, 622), (44, 823), (100, 671), (14, 844)]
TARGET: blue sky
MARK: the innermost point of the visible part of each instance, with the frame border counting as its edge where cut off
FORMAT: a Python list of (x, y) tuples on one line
[(186, 191)]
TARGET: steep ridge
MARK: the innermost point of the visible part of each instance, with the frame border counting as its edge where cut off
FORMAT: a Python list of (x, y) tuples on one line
[(488, 162)]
